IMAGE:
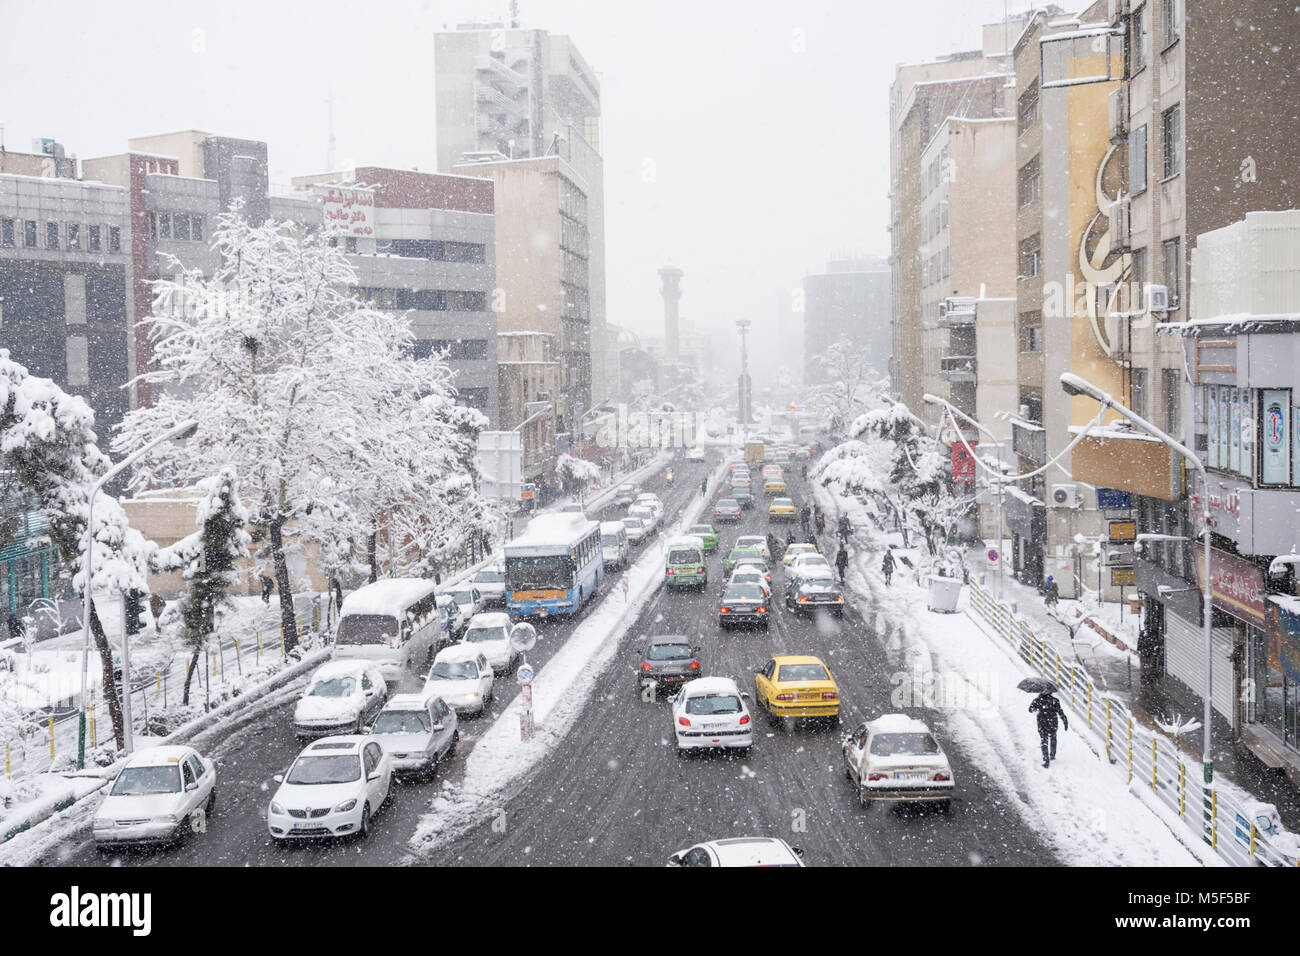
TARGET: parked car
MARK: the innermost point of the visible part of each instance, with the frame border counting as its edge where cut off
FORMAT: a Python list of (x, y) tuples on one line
[(812, 591), (637, 529), (797, 685), (490, 633), (667, 662), (739, 851), (895, 758), (744, 604), (341, 697), (333, 788), (615, 545), (157, 793), (491, 584), (707, 534), (726, 509), (461, 676), (710, 712), (416, 731)]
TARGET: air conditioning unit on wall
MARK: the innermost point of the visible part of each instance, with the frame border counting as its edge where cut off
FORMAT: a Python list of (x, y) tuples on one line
[(1064, 496)]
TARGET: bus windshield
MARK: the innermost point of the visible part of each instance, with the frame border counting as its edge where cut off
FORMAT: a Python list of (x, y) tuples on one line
[(540, 571)]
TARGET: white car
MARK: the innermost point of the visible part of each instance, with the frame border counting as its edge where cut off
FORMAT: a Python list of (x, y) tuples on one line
[(739, 851), (750, 574), (626, 494), (637, 529), (710, 712), (491, 583), (155, 797), (466, 598), (416, 731), (807, 565), (695, 454), (794, 549), (756, 541), (896, 759), (646, 514), (340, 697), (650, 501), (490, 633), (451, 621), (333, 789), (461, 676)]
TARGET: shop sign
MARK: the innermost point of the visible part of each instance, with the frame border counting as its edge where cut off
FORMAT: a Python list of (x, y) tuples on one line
[(1238, 585)]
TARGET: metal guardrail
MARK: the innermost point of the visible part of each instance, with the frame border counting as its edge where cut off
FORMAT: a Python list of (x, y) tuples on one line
[(1145, 758)]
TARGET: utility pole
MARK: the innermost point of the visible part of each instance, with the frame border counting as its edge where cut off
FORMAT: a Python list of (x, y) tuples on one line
[(746, 388)]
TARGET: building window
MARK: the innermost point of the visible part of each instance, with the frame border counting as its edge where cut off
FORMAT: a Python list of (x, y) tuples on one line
[(95, 244), (196, 228), (51, 235), (1139, 27), (29, 233), (1137, 282), (1027, 107), (7, 233), (473, 397), (473, 251), (1029, 186), (1137, 161), (181, 226), (1029, 253), (1171, 122), (164, 225), (350, 244), (1173, 15), (1172, 380), (153, 225), (1031, 331), (74, 235), (1140, 399), (1173, 269), (114, 239)]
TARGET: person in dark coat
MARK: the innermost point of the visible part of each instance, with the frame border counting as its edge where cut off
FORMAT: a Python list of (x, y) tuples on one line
[(819, 518), (841, 561), (805, 516), (1053, 592), (1049, 711), (844, 529), (773, 547), (789, 538), (887, 565), (267, 587)]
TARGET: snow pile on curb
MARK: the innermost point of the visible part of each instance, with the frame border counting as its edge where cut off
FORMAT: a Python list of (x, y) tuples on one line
[(500, 759)]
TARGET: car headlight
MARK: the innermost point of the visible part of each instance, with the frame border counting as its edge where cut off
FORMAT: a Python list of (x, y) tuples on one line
[(103, 825), (276, 808), (345, 806), (166, 818)]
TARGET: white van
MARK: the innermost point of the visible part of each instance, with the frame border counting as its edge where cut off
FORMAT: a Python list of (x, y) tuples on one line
[(614, 544), (392, 623)]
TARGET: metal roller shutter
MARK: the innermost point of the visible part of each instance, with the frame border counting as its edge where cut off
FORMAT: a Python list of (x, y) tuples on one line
[(1185, 659)]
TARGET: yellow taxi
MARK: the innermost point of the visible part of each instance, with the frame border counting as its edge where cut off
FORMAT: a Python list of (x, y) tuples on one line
[(796, 685), (793, 551), (781, 509), (774, 485)]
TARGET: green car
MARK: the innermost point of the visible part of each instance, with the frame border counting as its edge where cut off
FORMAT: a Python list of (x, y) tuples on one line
[(706, 534), (738, 553)]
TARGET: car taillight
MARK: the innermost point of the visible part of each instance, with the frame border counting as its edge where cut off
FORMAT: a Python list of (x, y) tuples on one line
[(695, 665), (943, 775), (761, 610), (830, 695), (724, 610), (683, 721), (803, 600), (645, 666), (785, 696), (875, 776), (668, 570), (744, 720)]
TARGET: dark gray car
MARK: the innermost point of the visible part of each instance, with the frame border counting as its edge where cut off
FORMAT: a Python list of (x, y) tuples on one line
[(744, 604), (667, 661), (810, 593)]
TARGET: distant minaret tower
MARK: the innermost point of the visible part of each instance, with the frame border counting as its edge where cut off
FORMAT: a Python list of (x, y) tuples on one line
[(672, 293)]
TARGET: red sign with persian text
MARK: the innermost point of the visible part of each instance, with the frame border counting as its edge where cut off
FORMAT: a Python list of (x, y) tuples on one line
[(1238, 584), (963, 465)]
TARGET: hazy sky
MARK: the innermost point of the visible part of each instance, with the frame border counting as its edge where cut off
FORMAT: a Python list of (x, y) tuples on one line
[(766, 122)]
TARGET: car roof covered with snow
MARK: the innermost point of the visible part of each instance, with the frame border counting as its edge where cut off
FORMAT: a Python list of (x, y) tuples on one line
[(897, 724), (158, 756), (710, 685), (386, 596), (409, 701), (342, 744), (754, 851), (612, 527), (343, 668), (457, 653), (490, 619), (685, 541)]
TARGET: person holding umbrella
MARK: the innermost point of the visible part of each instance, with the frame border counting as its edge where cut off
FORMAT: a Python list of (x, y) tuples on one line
[(1049, 710)]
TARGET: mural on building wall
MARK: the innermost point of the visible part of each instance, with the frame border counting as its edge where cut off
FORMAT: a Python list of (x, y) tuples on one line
[(1106, 273)]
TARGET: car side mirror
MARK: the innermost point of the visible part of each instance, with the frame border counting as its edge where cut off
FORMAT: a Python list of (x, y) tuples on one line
[(797, 851), (375, 775), (675, 860), (744, 695), (278, 778), (366, 729), (191, 786)]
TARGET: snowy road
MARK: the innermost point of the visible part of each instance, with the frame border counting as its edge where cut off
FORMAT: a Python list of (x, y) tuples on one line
[(248, 759)]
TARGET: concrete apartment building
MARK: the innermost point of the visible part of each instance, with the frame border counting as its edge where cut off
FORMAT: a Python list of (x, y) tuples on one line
[(529, 376), (850, 300), (970, 84), (506, 93), (428, 249), (541, 233)]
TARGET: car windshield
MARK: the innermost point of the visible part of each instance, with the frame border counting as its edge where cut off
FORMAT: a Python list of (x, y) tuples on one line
[(367, 629), (334, 768), (479, 635), (462, 597), (454, 670), (609, 541), (540, 571), (891, 745), (713, 704), (333, 687), (743, 592), (668, 652), (635, 524), (489, 577), (138, 781), (801, 672), (402, 722)]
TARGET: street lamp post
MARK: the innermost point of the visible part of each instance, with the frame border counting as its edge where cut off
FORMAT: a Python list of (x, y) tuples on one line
[(958, 413), (182, 431), (1074, 385)]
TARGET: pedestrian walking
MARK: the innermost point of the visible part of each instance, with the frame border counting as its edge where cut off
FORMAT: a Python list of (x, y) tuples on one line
[(805, 471), (819, 519), (773, 547), (1053, 592), (267, 587), (841, 561), (1049, 711), (704, 486), (887, 565), (789, 538), (844, 529), (805, 516)]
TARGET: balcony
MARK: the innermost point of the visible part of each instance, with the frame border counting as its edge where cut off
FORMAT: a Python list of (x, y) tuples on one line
[(500, 72), (957, 368), (499, 102), (956, 314)]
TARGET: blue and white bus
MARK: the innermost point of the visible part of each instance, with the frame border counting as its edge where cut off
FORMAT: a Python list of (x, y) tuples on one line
[(554, 567)]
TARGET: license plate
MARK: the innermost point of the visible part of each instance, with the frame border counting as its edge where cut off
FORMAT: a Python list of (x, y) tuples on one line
[(909, 776)]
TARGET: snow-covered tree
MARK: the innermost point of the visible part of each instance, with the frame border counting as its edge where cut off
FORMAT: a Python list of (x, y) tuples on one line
[(847, 377), (576, 472), (279, 363), (208, 558)]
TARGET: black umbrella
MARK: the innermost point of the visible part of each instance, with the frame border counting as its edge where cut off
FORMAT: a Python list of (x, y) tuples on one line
[(1037, 685)]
